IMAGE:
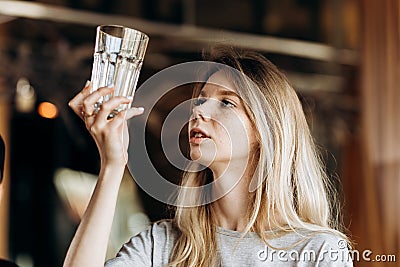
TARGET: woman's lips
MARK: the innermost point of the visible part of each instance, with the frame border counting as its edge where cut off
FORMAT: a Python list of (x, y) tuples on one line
[(197, 136)]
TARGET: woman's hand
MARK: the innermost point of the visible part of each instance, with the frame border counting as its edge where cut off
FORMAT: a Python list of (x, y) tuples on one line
[(111, 135)]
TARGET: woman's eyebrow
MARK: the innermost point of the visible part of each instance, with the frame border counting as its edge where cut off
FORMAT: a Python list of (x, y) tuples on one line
[(228, 93), (221, 92)]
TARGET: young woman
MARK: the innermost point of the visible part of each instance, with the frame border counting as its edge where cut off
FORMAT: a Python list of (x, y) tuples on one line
[(274, 204)]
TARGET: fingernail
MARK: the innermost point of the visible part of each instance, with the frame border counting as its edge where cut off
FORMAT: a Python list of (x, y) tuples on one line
[(130, 98), (140, 108), (87, 83), (110, 85)]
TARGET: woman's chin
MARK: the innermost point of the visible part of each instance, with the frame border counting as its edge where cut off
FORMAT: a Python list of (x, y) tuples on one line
[(201, 159)]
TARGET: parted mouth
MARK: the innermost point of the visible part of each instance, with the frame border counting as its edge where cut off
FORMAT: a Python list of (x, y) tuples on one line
[(198, 133)]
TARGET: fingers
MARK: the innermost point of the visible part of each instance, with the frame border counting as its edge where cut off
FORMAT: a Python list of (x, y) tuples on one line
[(76, 102), (89, 102), (125, 115), (109, 107), (84, 105), (133, 112)]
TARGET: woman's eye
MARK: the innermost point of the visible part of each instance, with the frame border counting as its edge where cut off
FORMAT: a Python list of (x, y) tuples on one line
[(227, 103), (199, 101)]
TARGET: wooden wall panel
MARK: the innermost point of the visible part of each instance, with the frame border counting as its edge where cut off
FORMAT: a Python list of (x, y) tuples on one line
[(380, 148)]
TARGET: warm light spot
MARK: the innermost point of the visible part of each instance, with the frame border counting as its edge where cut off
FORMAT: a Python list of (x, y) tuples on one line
[(47, 110)]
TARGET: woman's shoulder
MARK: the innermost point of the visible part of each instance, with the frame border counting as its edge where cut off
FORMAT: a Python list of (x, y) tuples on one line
[(326, 246), (164, 225), (313, 238), (159, 231), (151, 247), (323, 238)]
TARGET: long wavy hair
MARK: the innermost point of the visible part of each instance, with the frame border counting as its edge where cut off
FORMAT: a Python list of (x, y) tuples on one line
[(289, 189)]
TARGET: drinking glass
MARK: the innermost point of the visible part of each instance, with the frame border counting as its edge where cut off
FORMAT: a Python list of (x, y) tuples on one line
[(118, 57)]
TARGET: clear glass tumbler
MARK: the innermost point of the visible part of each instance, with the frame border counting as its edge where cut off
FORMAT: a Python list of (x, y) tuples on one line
[(118, 58)]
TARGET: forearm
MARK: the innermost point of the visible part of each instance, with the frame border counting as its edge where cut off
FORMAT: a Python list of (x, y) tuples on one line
[(89, 245)]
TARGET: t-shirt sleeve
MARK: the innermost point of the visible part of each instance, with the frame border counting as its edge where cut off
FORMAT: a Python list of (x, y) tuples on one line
[(152, 247), (136, 252)]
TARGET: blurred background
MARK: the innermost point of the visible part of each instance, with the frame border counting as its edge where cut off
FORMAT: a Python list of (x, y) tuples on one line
[(342, 57)]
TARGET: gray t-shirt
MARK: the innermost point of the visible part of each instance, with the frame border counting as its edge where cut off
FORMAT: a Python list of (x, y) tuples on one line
[(153, 247)]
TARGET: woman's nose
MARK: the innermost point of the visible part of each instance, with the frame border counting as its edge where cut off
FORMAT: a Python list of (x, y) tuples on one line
[(199, 113)]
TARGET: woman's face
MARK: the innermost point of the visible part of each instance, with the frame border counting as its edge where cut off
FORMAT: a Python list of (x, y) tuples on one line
[(220, 130)]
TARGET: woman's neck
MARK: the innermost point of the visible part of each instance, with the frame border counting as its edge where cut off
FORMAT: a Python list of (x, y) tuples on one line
[(231, 189)]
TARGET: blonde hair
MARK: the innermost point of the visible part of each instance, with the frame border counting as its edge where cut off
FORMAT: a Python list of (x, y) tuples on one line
[(290, 188)]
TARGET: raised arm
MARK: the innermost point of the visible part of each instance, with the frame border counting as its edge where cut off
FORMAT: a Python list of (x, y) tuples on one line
[(89, 245)]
